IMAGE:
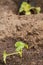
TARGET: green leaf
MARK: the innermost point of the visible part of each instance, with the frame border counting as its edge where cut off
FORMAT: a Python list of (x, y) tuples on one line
[(19, 47), (38, 9), (25, 7), (4, 56), (26, 46)]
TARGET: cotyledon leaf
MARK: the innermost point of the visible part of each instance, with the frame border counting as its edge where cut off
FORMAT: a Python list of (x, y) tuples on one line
[(20, 45)]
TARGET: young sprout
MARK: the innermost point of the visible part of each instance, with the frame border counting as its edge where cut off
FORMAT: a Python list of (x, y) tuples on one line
[(5, 55), (19, 49), (27, 8)]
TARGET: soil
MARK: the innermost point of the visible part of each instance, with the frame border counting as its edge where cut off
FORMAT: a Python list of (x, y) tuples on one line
[(28, 29)]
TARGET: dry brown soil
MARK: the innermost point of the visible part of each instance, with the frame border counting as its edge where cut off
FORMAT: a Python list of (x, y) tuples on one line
[(28, 29)]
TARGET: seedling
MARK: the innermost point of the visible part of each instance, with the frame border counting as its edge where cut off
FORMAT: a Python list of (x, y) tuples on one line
[(19, 50), (27, 9), (19, 47)]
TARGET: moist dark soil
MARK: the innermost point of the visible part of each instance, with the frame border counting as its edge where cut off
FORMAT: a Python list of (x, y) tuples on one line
[(28, 29)]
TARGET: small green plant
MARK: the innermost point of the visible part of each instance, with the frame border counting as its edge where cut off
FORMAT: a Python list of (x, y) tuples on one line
[(19, 47), (19, 50), (27, 9)]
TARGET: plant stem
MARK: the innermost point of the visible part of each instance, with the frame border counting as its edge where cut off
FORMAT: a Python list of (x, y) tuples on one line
[(12, 54)]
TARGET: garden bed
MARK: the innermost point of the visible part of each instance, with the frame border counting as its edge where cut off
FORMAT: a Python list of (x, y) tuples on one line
[(28, 29)]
